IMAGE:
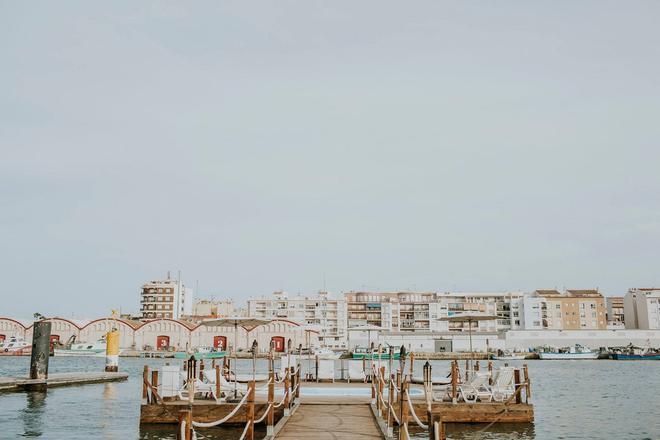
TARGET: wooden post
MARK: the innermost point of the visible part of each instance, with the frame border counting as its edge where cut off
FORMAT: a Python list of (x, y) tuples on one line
[(373, 387), (454, 381), (490, 372), (476, 366), (185, 415), (390, 400), (154, 380), (287, 376), (145, 379), (436, 428), (40, 354), (467, 370), (317, 367), (270, 418), (201, 369), (185, 365), (381, 385), (412, 361), (293, 377), (516, 379), (403, 410), (398, 381), (528, 389), (217, 381), (250, 410), (297, 393)]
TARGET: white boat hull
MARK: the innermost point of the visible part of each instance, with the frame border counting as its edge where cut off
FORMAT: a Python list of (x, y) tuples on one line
[(568, 356), (59, 352), (518, 357)]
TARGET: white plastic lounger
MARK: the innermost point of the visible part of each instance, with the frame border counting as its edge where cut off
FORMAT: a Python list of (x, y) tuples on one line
[(476, 388), (200, 388), (503, 386)]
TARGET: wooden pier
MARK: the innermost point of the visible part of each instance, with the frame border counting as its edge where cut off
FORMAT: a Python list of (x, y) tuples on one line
[(382, 405), (331, 421), (12, 384)]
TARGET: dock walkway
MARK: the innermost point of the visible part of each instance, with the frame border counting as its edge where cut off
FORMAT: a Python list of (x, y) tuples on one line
[(338, 421), (20, 383)]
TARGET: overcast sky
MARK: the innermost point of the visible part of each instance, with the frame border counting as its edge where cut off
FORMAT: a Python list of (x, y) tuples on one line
[(468, 146)]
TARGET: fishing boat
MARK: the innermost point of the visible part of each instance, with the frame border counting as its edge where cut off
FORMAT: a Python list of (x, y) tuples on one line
[(632, 353), (97, 348), (202, 352), (569, 353), (507, 355), (15, 346), (365, 353)]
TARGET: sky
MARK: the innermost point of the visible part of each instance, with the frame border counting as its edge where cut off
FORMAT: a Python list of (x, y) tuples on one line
[(373, 145)]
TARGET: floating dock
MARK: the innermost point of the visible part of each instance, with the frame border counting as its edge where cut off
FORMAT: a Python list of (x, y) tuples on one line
[(24, 383)]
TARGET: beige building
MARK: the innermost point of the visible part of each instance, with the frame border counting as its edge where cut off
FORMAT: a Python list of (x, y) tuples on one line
[(211, 308), (573, 309), (642, 308), (615, 312)]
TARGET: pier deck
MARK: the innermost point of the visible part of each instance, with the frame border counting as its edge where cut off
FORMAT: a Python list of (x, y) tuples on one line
[(334, 421), (22, 383)]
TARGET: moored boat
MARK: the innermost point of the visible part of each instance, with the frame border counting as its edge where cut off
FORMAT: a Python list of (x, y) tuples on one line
[(326, 353), (570, 353), (97, 348), (15, 346), (507, 355), (631, 353), (363, 353), (201, 353)]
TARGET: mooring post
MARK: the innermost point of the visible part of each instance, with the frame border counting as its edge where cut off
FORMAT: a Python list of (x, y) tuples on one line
[(112, 351), (293, 376), (436, 428), (403, 403), (250, 410), (270, 418), (154, 380), (467, 370), (516, 380), (145, 379), (412, 361), (40, 353), (381, 385), (398, 382), (476, 366), (185, 418), (528, 388), (390, 400), (490, 372)]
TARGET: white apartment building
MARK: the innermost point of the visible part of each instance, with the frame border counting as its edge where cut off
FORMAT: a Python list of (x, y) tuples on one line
[(642, 308), (321, 313), (167, 298)]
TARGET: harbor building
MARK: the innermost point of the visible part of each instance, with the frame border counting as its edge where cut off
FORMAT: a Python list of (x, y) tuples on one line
[(321, 312), (615, 312), (642, 308), (168, 298), (213, 308), (572, 309)]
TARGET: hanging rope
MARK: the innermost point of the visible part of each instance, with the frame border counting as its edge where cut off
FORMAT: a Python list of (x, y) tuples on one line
[(414, 415), (247, 425), (223, 420), (263, 416), (182, 434), (281, 401)]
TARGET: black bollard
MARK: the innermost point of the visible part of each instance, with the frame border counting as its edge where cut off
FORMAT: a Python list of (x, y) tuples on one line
[(40, 352)]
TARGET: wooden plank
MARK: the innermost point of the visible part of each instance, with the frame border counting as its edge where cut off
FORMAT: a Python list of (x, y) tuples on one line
[(320, 422), (60, 380), (479, 412), (202, 412)]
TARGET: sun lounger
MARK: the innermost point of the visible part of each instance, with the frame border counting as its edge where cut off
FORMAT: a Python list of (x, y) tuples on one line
[(476, 388), (503, 386)]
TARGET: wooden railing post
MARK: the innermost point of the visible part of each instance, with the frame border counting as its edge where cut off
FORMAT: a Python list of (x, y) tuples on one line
[(390, 400), (436, 428), (145, 379), (454, 381), (403, 410), (287, 376), (217, 382), (516, 380), (185, 416), (490, 372), (201, 370), (250, 410), (398, 382), (297, 394), (381, 385), (270, 418), (467, 370)]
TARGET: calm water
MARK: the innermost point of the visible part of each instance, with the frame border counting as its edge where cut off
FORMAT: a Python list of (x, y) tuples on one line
[(573, 400)]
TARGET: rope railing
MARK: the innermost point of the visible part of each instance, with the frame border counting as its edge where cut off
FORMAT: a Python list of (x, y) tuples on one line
[(414, 415), (263, 416), (224, 419), (247, 425)]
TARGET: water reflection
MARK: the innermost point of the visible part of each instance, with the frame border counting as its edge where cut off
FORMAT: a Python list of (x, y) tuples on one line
[(32, 414)]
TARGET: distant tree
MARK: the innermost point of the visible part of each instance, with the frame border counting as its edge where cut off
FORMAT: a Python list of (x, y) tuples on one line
[(38, 316)]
